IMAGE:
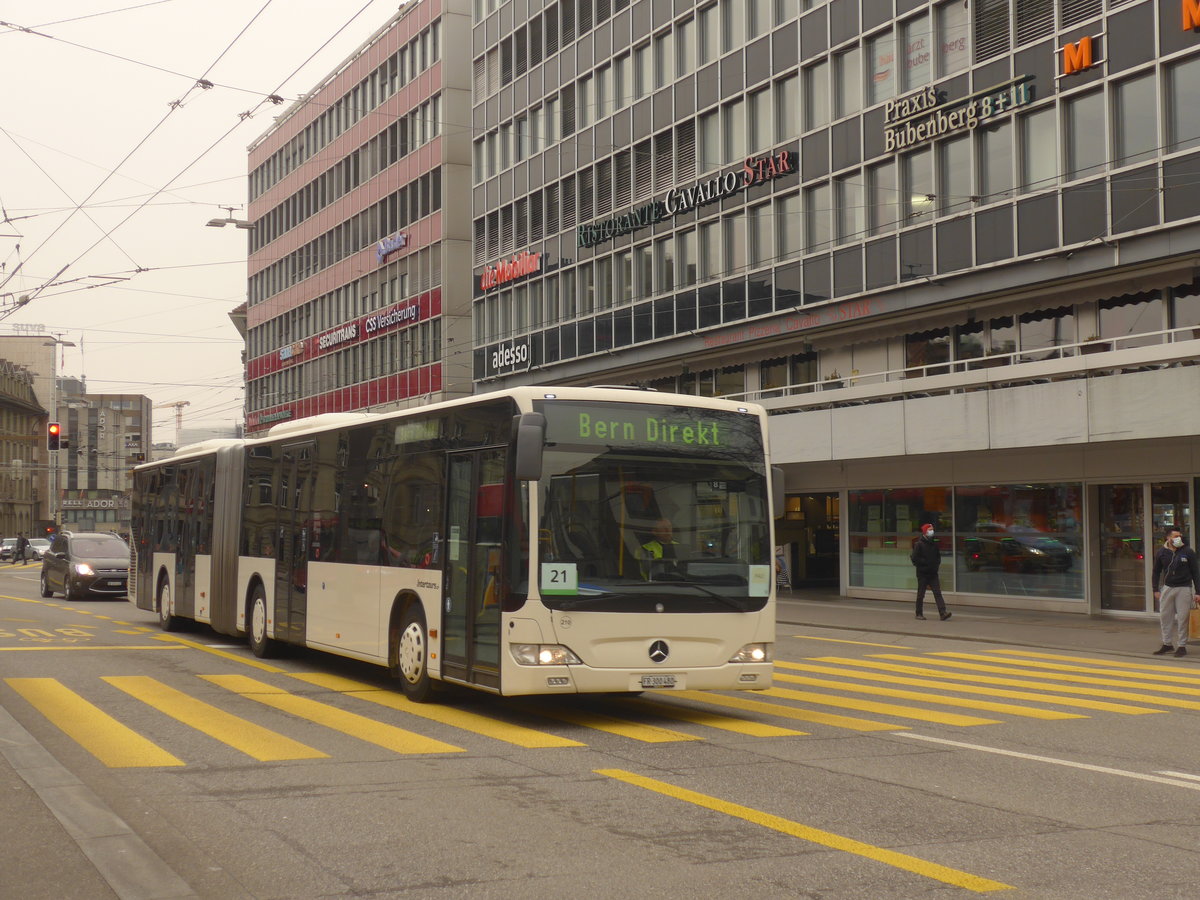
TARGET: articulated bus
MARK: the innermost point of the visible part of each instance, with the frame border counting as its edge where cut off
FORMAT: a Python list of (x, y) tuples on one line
[(529, 541)]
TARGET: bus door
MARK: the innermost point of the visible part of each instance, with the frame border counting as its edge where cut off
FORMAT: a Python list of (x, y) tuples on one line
[(293, 522), (475, 517)]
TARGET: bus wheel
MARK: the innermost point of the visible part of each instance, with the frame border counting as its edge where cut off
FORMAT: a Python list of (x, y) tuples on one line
[(261, 645), (410, 652), (46, 591), (165, 619)]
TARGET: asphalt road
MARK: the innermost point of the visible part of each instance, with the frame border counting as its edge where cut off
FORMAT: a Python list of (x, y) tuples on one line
[(135, 764)]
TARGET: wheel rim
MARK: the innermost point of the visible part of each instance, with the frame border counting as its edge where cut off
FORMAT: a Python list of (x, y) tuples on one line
[(45, 584), (164, 603), (412, 653), (258, 620)]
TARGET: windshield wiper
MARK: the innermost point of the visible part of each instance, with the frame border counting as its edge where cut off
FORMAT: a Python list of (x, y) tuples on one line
[(728, 601)]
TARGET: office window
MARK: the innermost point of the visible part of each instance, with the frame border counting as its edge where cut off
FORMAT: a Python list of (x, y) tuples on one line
[(664, 59), (710, 250), (816, 96), (643, 71), (623, 276), (849, 208), (734, 24), (885, 198), (734, 138), (1183, 112), (710, 34), (735, 244), (953, 28), (708, 142), (760, 121), (1039, 150), (623, 80), (758, 17), (789, 227), (995, 148), (818, 218), (604, 282), (918, 52), (916, 186), (643, 271), (664, 263), (584, 103), (603, 92), (954, 175), (685, 246), (1135, 111), (787, 109), (847, 82), (881, 68), (685, 48), (1086, 135), (759, 235)]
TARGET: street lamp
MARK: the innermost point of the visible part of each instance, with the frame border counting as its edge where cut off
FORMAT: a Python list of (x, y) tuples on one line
[(229, 220)]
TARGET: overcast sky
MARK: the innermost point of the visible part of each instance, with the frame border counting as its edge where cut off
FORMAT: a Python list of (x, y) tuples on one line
[(112, 160)]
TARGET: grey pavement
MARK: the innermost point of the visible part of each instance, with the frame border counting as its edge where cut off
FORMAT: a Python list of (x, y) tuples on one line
[(1129, 636)]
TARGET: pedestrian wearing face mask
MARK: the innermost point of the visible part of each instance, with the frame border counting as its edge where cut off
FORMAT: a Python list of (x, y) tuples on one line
[(927, 559), (1177, 569)]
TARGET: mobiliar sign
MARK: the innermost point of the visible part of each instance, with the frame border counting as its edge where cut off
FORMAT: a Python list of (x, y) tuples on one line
[(755, 170), (522, 264)]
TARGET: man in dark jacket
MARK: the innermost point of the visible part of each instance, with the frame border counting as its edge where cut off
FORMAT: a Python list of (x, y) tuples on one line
[(927, 559), (1177, 570)]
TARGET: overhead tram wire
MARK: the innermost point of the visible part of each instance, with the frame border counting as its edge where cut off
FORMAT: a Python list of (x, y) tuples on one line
[(96, 15), (171, 109)]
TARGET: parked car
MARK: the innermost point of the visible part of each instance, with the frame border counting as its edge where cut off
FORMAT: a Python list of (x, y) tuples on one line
[(7, 546), (1015, 548), (83, 563), (38, 548)]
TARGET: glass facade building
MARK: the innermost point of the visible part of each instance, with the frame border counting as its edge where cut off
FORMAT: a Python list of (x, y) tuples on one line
[(951, 247)]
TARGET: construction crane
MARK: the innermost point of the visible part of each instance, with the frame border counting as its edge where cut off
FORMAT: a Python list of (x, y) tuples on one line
[(179, 405)]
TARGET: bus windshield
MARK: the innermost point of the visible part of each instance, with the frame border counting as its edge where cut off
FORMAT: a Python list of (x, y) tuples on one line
[(648, 508)]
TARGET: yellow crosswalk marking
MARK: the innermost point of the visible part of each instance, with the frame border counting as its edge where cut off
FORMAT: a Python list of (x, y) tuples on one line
[(379, 733), (1053, 685), (447, 715), (224, 654), (715, 720), (884, 709), (1035, 669), (1103, 667), (903, 861), (933, 678), (990, 705), (114, 744), (813, 637), (253, 740), (648, 734), (789, 712)]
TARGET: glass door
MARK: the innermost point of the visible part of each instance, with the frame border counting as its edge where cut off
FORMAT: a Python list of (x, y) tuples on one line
[(1122, 545), (291, 564), (475, 511)]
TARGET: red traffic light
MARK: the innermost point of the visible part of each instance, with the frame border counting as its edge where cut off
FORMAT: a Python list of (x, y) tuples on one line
[(53, 434)]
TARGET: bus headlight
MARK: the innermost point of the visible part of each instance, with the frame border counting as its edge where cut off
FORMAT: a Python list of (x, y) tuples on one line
[(544, 655), (753, 653)]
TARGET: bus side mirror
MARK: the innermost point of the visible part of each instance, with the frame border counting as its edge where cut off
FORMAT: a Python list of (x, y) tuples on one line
[(778, 500), (529, 436)]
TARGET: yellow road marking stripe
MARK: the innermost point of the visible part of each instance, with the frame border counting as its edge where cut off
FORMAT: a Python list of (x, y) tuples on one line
[(937, 679), (1031, 712), (812, 637), (379, 733), (114, 744), (447, 715), (1110, 663), (913, 864), (715, 720), (790, 712), (970, 668), (253, 740), (647, 734), (93, 647), (1128, 672), (236, 657), (884, 709)]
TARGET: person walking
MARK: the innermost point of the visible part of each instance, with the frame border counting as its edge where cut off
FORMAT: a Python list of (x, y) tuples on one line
[(21, 549), (927, 559), (1177, 566)]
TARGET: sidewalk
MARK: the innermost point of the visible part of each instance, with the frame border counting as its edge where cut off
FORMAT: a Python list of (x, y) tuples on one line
[(805, 608)]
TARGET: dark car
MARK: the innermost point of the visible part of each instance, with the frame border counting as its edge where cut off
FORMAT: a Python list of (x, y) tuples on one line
[(1015, 548), (85, 563)]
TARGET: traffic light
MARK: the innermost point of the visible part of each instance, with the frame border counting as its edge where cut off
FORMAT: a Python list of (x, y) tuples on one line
[(53, 436)]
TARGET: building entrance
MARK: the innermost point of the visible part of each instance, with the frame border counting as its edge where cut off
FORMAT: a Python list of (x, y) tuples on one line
[(809, 535), (1133, 518)]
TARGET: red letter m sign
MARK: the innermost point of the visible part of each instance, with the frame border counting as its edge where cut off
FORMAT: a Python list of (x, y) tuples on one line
[(1191, 14)]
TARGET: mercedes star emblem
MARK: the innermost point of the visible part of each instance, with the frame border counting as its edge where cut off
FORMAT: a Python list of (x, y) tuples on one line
[(659, 651)]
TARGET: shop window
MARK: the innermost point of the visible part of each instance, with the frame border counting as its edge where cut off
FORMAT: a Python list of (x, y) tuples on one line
[(881, 527)]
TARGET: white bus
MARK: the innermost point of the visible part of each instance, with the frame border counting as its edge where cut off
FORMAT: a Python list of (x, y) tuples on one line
[(529, 541)]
